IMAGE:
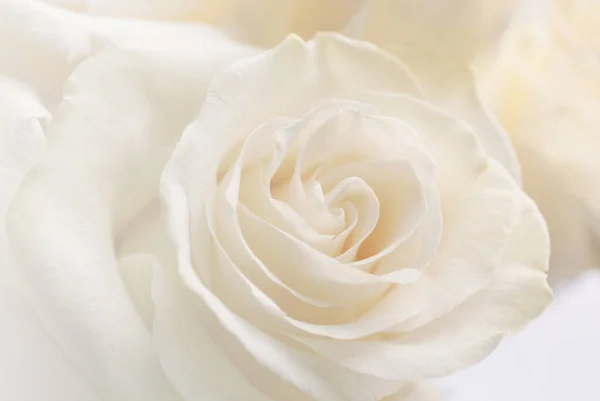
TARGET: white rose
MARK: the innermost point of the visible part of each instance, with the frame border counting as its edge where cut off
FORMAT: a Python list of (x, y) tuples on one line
[(404, 252), (544, 84), (336, 236)]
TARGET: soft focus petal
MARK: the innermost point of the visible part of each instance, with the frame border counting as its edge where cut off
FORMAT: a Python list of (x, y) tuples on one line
[(260, 22), (544, 85), (40, 48), (42, 44), (27, 354), (32, 366), (108, 142), (447, 31), (577, 21), (22, 138)]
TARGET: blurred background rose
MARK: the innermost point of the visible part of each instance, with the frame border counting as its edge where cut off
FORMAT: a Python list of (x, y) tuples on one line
[(544, 85)]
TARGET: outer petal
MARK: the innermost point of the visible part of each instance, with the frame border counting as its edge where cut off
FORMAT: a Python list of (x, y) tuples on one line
[(42, 44), (44, 54), (444, 30), (439, 40), (267, 22), (577, 21), (108, 142), (21, 138), (196, 365), (31, 365), (555, 358)]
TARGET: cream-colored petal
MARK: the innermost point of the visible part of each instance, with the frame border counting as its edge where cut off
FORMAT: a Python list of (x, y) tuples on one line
[(284, 81), (22, 139), (235, 93), (136, 271), (472, 245), (32, 366), (45, 53), (243, 340), (444, 31), (503, 285), (440, 41), (109, 141), (543, 83), (454, 145), (546, 361), (248, 300), (576, 21), (267, 22), (142, 247), (195, 364), (34, 34)]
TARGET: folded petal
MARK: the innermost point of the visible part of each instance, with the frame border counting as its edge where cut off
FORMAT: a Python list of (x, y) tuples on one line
[(43, 44), (440, 41), (27, 354), (108, 142)]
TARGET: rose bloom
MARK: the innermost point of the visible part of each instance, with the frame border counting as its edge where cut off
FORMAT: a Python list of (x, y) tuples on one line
[(544, 84), (313, 222)]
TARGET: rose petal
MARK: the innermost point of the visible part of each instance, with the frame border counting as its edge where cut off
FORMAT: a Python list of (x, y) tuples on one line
[(109, 141), (59, 40), (439, 41), (32, 366), (22, 138), (50, 42), (543, 83), (193, 362), (553, 359), (28, 353), (442, 30), (279, 365), (501, 296)]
